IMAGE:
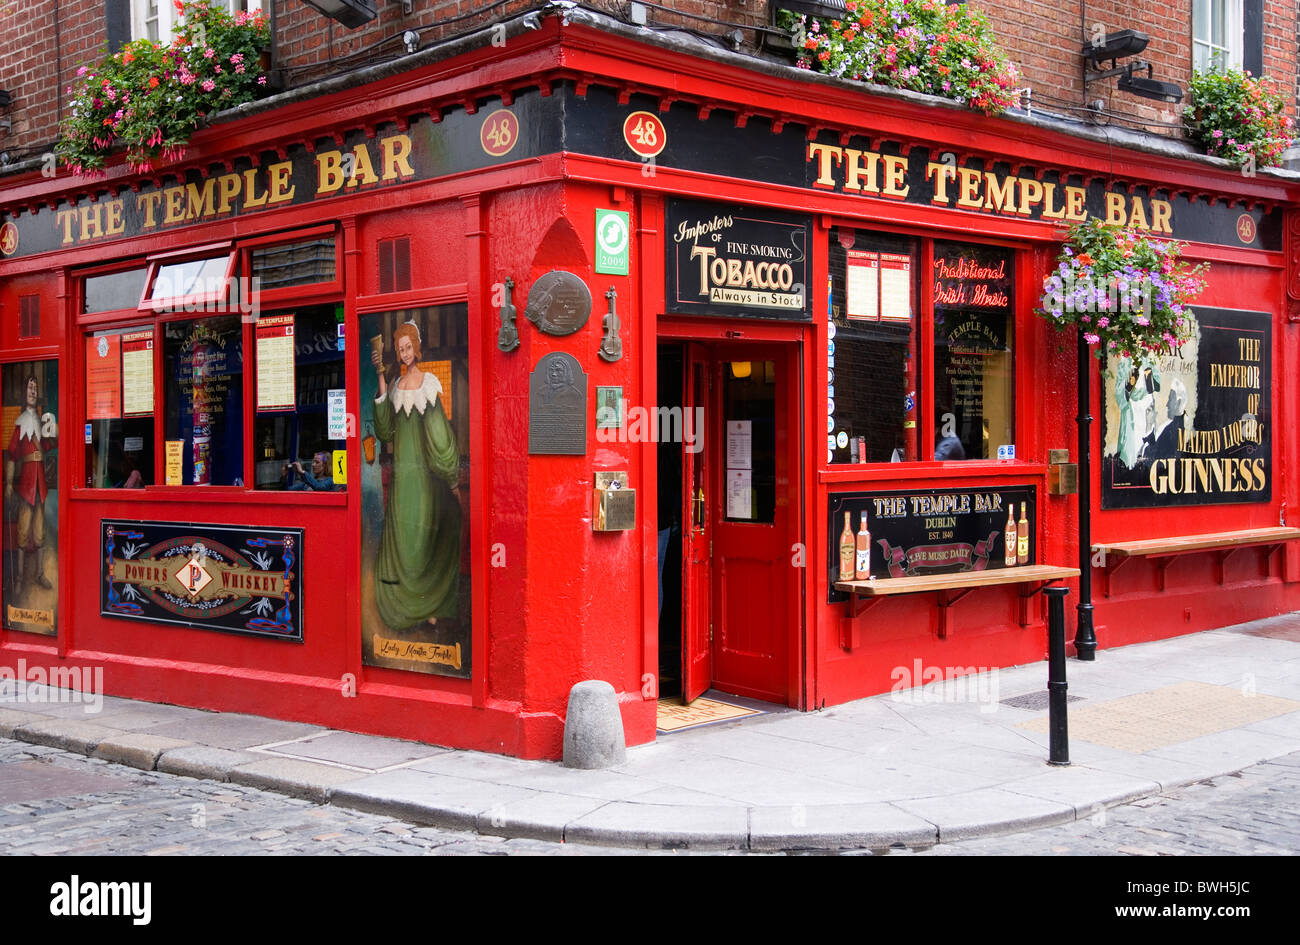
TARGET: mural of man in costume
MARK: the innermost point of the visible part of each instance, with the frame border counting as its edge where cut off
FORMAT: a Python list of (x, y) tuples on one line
[(417, 569), (33, 435)]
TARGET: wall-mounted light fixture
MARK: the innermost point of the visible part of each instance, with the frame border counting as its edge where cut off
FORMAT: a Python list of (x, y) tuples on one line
[(350, 13), (6, 123), (1115, 46), (1151, 88)]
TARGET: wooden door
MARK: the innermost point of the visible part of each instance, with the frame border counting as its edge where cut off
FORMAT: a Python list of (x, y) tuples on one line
[(743, 566), (697, 584)]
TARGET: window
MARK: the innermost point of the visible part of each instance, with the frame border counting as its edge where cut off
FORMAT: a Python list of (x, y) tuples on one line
[(113, 290), (157, 19), (299, 388), (974, 335), (193, 325), (919, 368), (1217, 35), (120, 408), (203, 428), (872, 353)]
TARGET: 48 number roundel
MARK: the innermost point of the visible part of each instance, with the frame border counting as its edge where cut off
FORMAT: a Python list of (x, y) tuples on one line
[(645, 134)]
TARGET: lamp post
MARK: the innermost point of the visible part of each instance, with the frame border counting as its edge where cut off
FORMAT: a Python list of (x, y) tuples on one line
[(1085, 640)]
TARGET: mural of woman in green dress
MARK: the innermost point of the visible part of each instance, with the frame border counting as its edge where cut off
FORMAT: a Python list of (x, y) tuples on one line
[(419, 593)]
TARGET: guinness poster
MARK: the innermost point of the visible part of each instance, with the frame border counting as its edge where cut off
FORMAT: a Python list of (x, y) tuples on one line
[(934, 532), (741, 261), (1191, 428), (214, 577)]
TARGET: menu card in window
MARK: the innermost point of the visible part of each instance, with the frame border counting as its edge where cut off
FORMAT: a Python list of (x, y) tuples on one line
[(740, 492), (275, 379), (175, 458), (104, 377), (740, 439), (895, 287), (862, 296), (137, 373)]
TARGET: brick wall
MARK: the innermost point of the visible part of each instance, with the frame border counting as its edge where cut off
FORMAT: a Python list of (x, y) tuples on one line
[(1043, 37), (35, 69)]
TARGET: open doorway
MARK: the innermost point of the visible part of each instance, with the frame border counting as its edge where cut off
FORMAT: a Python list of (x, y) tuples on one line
[(729, 517), (670, 530)]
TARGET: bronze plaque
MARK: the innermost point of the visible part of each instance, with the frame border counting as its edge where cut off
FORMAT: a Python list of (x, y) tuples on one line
[(557, 406), (558, 303)]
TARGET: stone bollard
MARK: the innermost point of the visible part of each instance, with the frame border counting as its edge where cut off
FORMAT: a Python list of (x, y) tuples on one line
[(593, 727)]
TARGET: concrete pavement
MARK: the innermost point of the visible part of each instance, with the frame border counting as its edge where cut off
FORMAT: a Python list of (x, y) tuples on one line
[(951, 760)]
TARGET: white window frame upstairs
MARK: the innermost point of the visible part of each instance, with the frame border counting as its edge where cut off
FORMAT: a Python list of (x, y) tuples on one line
[(157, 19), (1218, 35)]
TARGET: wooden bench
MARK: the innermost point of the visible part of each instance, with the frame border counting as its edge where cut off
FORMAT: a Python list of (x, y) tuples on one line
[(1165, 550), (950, 588)]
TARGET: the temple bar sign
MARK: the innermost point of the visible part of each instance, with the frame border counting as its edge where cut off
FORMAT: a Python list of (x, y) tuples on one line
[(971, 188)]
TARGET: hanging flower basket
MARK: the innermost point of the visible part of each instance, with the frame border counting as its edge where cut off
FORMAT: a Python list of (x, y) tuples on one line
[(153, 96), (923, 45), (1236, 117), (1127, 293)]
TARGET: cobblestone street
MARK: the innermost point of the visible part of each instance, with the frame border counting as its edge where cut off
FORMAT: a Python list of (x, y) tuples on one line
[(56, 802)]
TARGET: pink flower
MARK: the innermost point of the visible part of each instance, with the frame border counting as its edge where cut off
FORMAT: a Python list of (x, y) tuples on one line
[(209, 53), (261, 80), (207, 85), (1091, 339)]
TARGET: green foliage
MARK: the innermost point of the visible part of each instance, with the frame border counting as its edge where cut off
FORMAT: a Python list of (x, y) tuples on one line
[(1236, 117), (152, 96), (1128, 293), (922, 45)]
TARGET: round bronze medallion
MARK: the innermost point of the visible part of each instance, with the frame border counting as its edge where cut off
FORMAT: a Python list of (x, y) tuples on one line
[(559, 303)]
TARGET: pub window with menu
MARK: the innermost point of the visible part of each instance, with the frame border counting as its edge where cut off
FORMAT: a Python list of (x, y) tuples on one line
[(921, 349), (222, 356)]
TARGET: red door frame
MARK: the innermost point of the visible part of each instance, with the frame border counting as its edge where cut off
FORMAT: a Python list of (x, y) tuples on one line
[(744, 336)]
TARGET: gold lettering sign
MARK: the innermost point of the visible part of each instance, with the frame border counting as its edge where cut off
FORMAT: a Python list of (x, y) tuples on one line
[(965, 188), (442, 654), (369, 163), (42, 618)]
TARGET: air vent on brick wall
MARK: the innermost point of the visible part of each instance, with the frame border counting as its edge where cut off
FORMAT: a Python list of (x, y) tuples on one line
[(395, 265), (29, 316)]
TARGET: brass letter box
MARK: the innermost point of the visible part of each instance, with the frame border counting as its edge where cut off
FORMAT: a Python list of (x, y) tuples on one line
[(613, 504), (1062, 475)]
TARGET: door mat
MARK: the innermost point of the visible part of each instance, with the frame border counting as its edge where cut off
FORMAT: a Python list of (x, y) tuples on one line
[(675, 717)]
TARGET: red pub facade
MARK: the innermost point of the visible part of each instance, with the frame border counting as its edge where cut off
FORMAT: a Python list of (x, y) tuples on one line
[(587, 347)]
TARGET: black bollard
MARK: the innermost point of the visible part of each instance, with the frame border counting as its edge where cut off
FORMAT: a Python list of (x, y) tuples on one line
[(1058, 726)]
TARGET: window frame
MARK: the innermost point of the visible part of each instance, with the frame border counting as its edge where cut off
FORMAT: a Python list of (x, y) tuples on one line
[(1025, 432), (208, 302), (1220, 58), (145, 316), (168, 18)]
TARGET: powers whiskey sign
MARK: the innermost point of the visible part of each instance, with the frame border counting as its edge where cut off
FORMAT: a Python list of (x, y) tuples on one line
[(208, 576)]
